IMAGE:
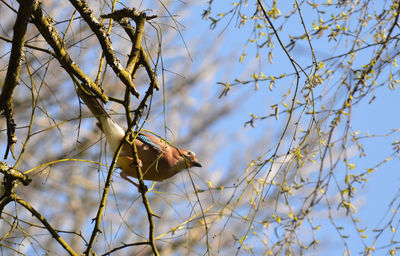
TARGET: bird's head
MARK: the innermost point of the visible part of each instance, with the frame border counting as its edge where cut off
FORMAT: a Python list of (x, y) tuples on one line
[(190, 158)]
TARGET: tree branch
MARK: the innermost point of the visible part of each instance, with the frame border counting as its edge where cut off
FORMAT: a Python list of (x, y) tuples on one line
[(103, 201), (124, 246), (50, 34), (13, 174), (13, 71), (136, 36), (105, 43), (53, 233)]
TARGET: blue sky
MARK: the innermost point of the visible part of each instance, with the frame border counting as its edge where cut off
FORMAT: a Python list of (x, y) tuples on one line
[(376, 118)]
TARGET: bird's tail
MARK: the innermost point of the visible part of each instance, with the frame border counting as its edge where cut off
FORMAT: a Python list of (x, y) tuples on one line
[(94, 106), (112, 130)]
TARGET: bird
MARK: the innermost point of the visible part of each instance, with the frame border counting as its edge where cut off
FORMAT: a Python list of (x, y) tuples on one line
[(158, 159)]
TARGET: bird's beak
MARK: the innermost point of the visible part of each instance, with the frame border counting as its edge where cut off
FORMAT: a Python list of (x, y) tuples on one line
[(196, 164)]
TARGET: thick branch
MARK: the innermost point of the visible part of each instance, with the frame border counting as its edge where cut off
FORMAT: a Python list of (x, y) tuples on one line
[(136, 39), (50, 34), (14, 67), (137, 48), (105, 43), (13, 174), (128, 13), (135, 35)]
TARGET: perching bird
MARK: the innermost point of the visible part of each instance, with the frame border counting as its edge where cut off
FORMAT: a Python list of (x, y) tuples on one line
[(158, 159)]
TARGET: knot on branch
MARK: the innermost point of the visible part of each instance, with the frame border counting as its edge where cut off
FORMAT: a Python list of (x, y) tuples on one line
[(11, 175)]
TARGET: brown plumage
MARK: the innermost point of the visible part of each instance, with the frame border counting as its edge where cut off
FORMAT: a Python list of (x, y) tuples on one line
[(158, 159)]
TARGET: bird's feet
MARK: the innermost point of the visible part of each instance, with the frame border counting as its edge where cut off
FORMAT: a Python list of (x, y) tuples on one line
[(142, 188)]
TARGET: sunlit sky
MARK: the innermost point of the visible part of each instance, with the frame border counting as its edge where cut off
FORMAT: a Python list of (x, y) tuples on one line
[(375, 118)]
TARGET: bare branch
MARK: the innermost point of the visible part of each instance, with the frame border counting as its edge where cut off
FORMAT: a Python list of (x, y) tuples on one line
[(49, 32), (105, 43), (13, 174), (14, 67), (40, 217)]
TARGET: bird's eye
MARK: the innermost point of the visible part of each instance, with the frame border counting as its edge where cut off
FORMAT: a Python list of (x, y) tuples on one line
[(189, 153)]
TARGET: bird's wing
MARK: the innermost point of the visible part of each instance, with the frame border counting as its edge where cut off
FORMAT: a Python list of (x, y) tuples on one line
[(147, 140)]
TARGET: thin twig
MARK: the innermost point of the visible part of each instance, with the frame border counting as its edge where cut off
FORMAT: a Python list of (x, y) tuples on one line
[(30, 46), (52, 231), (124, 246), (103, 201)]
